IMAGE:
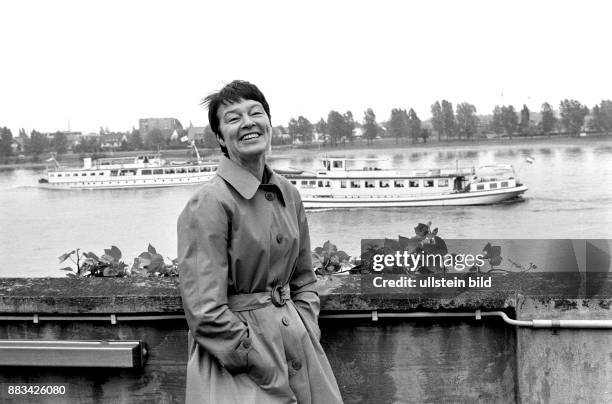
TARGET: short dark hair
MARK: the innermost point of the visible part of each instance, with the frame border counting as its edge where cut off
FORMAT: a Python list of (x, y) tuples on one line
[(233, 92)]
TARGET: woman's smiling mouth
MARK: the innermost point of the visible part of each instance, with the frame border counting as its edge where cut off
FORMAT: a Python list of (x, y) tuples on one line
[(250, 136)]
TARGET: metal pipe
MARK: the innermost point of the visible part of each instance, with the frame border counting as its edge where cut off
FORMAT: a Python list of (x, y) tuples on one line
[(373, 315)]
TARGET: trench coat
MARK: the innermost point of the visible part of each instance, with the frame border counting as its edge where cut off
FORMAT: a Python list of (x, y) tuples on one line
[(247, 285)]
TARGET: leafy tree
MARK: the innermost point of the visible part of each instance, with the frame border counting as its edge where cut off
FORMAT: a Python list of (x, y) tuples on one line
[(414, 126), (370, 127), (348, 126), (135, 140), (398, 124), (292, 127), (335, 126), (509, 120), (467, 121), (6, 138), (448, 119), (36, 144), (210, 139), (437, 120), (547, 122), (305, 129), (321, 127), (601, 117), (154, 139), (497, 123), (524, 123), (572, 115), (425, 134), (60, 143)]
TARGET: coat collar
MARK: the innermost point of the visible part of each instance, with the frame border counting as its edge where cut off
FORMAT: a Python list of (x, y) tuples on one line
[(245, 183)]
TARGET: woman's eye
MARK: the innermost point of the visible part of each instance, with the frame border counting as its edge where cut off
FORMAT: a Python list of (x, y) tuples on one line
[(233, 119)]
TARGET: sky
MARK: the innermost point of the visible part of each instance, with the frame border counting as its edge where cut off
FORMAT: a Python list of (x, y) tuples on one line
[(86, 64)]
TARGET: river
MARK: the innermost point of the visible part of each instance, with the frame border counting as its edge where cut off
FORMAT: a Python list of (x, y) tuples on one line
[(569, 196)]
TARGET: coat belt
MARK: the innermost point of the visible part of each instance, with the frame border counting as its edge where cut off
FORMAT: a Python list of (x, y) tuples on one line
[(278, 296)]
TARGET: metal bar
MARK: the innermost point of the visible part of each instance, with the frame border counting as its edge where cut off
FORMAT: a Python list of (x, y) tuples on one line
[(50, 353)]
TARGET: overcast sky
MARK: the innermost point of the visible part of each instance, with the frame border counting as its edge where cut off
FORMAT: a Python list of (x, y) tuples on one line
[(109, 63)]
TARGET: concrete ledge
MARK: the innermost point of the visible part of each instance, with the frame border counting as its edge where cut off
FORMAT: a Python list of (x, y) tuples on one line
[(338, 293)]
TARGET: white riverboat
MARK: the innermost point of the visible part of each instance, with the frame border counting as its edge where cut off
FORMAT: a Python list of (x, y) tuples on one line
[(142, 171), (337, 186)]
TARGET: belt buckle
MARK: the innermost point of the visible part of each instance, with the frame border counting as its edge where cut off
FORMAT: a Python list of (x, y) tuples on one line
[(276, 296)]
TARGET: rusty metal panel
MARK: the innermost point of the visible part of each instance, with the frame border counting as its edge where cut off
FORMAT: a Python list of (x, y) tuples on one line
[(91, 354)]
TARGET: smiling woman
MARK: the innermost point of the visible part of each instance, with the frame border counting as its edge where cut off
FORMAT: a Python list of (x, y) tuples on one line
[(246, 276)]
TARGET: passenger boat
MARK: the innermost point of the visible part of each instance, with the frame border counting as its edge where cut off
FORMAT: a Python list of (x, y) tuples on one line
[(142, 171), (336, 186)]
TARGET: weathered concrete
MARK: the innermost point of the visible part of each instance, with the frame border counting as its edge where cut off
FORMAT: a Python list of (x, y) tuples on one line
[(392, 360)]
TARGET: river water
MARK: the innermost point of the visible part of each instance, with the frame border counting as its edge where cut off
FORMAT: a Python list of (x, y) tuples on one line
[(569, 196)]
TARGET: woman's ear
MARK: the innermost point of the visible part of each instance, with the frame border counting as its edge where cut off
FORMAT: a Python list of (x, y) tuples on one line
[(220, 140)]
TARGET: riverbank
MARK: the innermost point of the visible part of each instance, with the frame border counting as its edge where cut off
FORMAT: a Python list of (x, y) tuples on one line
[(75, 160)]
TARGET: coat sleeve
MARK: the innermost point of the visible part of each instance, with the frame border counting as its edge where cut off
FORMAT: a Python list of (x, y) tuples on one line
[(203, 275), (302, 283)]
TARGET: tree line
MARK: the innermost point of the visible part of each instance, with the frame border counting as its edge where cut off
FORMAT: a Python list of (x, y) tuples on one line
[(447, 123)]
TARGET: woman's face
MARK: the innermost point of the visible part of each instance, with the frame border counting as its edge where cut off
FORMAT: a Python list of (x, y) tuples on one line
[(245, 128)]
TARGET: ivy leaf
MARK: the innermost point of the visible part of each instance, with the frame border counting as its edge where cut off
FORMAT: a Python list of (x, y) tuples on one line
[(65, 256), (342, 255), (151, 249), (157, 263), (110, 271), (91, 255), (107, 259), (115, 253)]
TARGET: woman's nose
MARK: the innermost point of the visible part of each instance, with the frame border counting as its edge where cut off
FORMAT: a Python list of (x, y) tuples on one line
[(247, 121)]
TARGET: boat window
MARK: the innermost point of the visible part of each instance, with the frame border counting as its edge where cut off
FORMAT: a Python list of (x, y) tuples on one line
[(327, 184), (100, 173), (304, 183), (428, 183), (312, 183), (355, 184), (492, 186), (443, 183), (370, 184), (343, 184), (504, 184), (480, 187), (75, 174), (337, 164), (146, 172), (158, 171), (399, 183), (92, 173), (413, 183), (293, 182), (59, 175), (169, 171), (83, 174), (204, 169), (214, 168), (114, 173), (320, 184), (384, 184), (193, 169), (181, 171)]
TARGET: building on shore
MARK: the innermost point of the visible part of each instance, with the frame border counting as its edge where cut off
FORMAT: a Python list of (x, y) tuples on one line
[(166, 126)]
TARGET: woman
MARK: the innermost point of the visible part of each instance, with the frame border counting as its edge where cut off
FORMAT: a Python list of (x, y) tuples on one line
[(246, 277)]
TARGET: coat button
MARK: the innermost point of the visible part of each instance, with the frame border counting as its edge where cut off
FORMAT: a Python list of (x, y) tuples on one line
[(285, 321), (279, 238), (297, 365), (269, 196), (246, 344)]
